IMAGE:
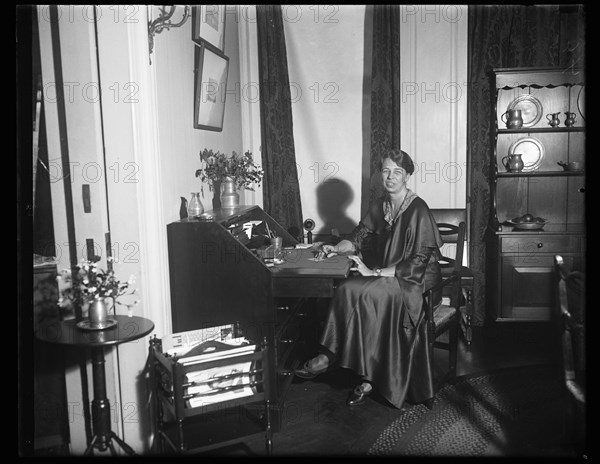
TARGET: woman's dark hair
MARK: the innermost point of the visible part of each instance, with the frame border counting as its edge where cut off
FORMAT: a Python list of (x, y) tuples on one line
[(401, 158)]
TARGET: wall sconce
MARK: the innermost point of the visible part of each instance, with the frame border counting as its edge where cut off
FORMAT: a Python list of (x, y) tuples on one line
[(164, 22)]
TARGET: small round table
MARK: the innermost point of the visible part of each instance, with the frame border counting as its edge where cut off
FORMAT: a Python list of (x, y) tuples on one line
[(67, 333)]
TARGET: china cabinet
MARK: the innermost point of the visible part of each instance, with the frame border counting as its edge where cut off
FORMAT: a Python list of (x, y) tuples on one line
[(537, 206)]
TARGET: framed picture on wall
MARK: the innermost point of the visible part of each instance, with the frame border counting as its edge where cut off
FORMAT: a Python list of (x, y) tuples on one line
[(210, 85), (208, 24)]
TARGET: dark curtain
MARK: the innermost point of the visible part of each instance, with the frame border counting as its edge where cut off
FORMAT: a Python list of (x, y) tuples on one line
[(385, 92), (505, 37), (281, 191)]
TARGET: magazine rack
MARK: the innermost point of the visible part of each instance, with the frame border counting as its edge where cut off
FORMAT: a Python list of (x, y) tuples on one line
[(184, 428)]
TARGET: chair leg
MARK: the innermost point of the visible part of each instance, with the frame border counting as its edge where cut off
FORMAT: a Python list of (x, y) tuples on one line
[(468, 315), (453, 350)]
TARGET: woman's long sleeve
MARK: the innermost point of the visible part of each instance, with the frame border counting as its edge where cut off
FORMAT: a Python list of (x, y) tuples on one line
[(359, 235)]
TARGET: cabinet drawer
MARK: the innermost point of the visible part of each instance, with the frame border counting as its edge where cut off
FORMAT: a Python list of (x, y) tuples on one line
[(542, 244)]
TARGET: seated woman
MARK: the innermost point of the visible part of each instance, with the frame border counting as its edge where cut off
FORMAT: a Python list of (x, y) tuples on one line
[(374, 323)]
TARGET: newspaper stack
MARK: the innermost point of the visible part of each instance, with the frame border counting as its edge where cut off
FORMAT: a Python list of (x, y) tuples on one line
[(218, 384)]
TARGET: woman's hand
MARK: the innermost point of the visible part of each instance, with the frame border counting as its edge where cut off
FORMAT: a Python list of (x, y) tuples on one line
[(345, 246), (326, 249), (360, 267)]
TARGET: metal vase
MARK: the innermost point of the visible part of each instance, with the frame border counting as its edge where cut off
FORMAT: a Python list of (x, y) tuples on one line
[(98, 312), (216, 201), (229, 197)]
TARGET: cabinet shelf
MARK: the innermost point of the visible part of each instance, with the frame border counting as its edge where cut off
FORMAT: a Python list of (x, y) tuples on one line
[(511, 78), (542, 174), (541, 130)]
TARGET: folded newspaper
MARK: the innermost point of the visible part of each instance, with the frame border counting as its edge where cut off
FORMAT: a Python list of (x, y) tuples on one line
[(218, 384), (178, 344)]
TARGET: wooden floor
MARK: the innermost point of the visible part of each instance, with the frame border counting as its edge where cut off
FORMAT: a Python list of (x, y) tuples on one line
[(316, 420)]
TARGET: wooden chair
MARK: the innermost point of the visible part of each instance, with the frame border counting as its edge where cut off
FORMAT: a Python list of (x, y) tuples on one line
[(444, 319), (448, 220), (570, 316)]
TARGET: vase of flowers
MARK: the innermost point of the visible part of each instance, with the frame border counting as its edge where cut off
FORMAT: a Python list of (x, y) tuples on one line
[(87, 286), (225, 174)]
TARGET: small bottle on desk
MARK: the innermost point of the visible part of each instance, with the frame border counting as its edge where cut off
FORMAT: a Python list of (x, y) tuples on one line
[(195, 207)]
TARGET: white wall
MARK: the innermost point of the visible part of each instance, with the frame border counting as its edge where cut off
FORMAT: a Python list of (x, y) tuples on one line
[(325, 59), (180, 143), (433, 107)]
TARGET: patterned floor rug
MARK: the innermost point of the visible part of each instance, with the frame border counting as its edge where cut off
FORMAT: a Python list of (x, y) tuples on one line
[(511, 412)]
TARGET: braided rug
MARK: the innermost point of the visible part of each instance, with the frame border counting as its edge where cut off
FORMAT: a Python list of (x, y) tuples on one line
[(510, 412)]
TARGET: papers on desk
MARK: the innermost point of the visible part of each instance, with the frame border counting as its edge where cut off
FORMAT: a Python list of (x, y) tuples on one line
[(217, 384), (303, 246), (246, 228), (320, 256)]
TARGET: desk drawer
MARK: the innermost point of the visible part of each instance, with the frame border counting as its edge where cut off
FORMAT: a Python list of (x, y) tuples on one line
[(541, 243)]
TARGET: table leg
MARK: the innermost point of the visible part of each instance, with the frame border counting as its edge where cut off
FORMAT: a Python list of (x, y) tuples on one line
[(103, 435), (467, 311), (123, 445)]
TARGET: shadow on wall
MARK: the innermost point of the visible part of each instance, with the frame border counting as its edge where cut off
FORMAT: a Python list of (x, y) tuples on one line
[(333, 198)]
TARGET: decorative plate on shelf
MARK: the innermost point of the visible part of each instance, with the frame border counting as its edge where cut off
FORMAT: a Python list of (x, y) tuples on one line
[(531, 150), (531, 109), (581, 102)]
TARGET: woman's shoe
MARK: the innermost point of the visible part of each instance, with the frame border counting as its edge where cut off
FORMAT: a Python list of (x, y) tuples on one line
[(358, 395), (305, 372)]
